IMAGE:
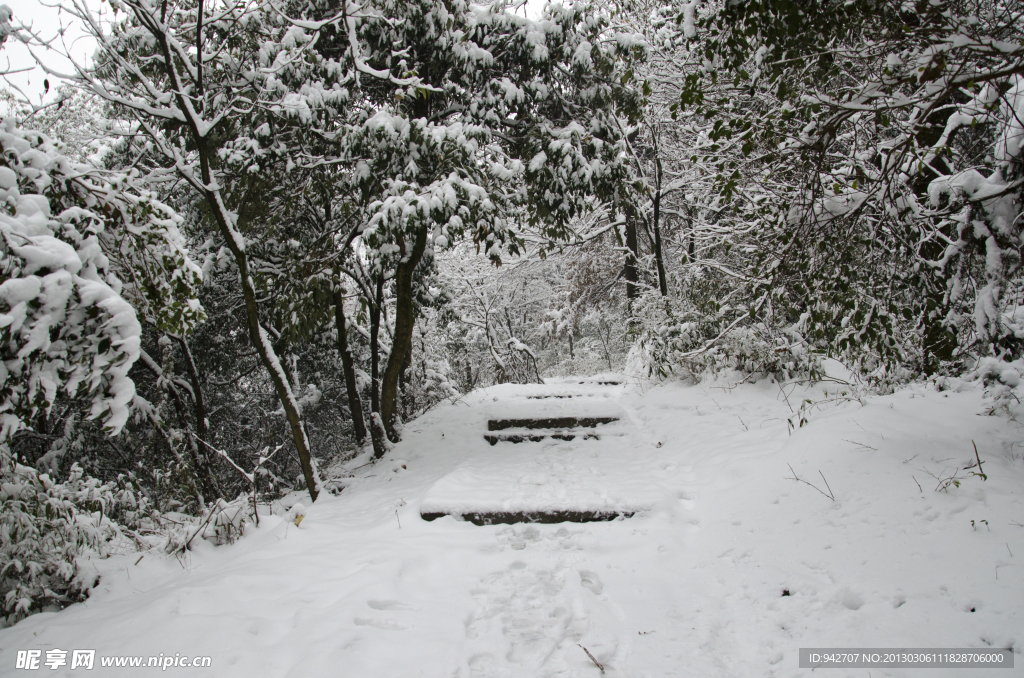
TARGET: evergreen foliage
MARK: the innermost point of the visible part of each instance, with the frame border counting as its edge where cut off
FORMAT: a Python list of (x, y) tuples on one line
[(272, 232)]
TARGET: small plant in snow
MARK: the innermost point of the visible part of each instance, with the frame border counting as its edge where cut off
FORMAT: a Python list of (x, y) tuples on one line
[(828, 494), (954, 479), (800, 418), (1001, 379), (224, 523), (45, 528)]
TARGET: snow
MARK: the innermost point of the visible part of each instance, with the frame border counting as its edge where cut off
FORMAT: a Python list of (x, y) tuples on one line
[(1011, 133), (691, 586), (689, 30)]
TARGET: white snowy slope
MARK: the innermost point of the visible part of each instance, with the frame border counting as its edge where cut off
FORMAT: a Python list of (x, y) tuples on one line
[(691, 586)]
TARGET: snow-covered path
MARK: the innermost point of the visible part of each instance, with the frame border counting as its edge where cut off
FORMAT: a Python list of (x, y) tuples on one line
[(726, 570)]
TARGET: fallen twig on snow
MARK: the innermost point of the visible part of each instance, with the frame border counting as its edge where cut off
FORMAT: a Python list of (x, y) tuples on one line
[(596, 663), (828, 494)]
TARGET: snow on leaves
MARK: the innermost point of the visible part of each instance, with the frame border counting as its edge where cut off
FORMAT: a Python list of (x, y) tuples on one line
[(901, 120), (81, 253)]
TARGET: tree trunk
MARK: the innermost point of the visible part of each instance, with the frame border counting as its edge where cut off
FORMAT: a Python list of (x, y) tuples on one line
[(260, 339), (658, 257), (403, 381), (375, 306), (354, 402), (630, 271), (404, 322), (207, 480), (691, 247), (378, 435)]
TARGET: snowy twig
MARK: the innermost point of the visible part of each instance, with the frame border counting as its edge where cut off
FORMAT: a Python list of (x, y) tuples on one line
[(596, 663), (981, 471), (944, 483), (829, 494), (248, 476), (184, 547)]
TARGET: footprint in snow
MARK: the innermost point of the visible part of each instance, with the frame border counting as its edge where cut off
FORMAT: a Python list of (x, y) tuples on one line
[(591, 581), (531, 618), (392, 605), (385, 623), (533, 622), (520, 537)]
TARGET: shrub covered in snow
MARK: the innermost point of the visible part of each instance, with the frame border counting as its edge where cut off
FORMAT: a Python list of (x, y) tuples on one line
[(70, 327), (67, 319), (1001, 379), (674, 337), (46, 526)]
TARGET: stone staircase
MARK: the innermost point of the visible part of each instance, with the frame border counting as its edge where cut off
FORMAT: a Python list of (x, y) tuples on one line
[(568, 446)]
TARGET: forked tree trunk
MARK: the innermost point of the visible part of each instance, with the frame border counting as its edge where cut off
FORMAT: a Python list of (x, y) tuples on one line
[(405, 315)]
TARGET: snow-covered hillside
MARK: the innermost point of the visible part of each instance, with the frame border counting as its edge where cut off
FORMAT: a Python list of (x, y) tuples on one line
[(728, 567)]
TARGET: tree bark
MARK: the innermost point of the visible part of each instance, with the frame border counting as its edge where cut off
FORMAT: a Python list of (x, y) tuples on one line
[(378, 435), (404, 322), (375, 307), (630, 270), (403, 381), (691, 247), (259, 337), (659, 259), (354, 402), (207, 480)]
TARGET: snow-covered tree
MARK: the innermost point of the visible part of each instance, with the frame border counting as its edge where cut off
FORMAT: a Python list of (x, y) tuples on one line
[(446, 118), (508, 118), (82, 251), (889, 133), (85, 255)]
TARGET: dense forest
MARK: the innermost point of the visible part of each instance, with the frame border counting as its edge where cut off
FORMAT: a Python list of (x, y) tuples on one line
[(249, 240)]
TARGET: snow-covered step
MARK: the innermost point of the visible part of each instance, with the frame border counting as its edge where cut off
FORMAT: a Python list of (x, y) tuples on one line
[(560, 396), (494, 439), (554, 481), (577, 442), (512, 517), (535, 430), (564, 475), (549, 423)]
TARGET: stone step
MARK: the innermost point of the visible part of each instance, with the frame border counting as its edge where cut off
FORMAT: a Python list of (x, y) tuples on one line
[(536, 437), (553, 422), (511, 517), (545, 397)]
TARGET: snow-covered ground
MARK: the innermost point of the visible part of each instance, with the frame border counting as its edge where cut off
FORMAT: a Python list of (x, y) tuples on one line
[(729, 567)]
